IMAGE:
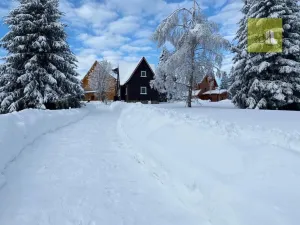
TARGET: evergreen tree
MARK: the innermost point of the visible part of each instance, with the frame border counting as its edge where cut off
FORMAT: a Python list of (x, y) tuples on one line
[(230, 78), (268, 80), (224, 81), (230, 83), (40, 67)]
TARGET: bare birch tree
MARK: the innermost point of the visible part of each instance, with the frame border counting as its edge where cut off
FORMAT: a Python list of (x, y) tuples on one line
[(100, 80), (198, 50)]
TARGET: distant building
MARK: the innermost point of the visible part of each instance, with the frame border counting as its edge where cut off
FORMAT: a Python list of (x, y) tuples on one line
[(131, 82), (207, 89), (135, 81), (89, 94)]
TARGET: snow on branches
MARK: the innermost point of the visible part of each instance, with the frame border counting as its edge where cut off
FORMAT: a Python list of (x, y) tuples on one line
[(269, 80), (101, 80), (40, 69), (197, 51)]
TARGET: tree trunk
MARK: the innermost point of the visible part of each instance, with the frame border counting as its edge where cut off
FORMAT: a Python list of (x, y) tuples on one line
[(190, 91), (191, 81)]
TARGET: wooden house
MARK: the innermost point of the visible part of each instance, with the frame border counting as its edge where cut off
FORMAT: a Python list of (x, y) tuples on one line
[(134, 82), (89, 94), (207, 89), (130, 82)]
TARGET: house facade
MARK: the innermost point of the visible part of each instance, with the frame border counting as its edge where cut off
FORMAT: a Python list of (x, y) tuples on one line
[(130, 82), (91, 95), (135, 82), (207, 89)]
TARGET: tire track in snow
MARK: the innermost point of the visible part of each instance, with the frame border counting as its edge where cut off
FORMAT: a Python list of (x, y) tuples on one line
[(217, 201), (157, 171)]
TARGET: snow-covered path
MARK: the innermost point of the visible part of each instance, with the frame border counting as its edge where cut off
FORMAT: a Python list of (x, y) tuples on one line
[(83, 175), (138, 164)]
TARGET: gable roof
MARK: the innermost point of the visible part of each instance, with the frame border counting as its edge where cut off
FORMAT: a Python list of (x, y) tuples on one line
[(92, 70), (126, 70), (204, 79)]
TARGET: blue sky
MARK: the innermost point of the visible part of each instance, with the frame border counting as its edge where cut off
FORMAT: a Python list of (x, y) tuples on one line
[(119, 30)]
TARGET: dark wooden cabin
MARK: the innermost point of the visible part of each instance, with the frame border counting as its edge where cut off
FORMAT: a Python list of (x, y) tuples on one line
[(135, 86)]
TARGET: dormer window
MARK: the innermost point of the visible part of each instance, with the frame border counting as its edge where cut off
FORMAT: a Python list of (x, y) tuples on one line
[(143, 74)]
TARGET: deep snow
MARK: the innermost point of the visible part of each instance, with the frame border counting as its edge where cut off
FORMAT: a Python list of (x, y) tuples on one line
[(19, 130), (225, 111), (162, 164)]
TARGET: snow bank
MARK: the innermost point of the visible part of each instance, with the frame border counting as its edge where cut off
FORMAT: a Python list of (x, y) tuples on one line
[(287, 121), (117, 105), (227, 173), (20, 129)]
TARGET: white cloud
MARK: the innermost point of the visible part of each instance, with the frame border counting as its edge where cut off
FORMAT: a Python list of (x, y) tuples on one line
[(112, 56), (228, 17), (6, 6), (95, 13), (90, 13), (130, 48), (230, 14), (141, 42), (124, 25), (103, 42), (119, 30), (144, 33), (132, 58), (227, 63), (86, 57), (137, 7)]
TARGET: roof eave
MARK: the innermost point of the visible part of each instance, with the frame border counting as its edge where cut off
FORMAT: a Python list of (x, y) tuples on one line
[(143, 58)]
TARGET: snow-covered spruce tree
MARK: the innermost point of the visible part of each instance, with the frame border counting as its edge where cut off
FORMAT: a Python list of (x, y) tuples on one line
[(40, 67), (198, 49), (241, 54), (230, 83), (224, 81), (269, 80), (100, 80)]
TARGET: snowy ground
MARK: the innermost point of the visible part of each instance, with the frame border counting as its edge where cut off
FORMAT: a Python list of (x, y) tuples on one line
[(224, 110), (160, 164)]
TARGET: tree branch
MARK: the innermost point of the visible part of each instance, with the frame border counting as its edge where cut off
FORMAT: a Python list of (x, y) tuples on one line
[(178, 10), (182, 84), (214, 52)]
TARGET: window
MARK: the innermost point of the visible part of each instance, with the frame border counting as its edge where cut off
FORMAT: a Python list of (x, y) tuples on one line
[(126, 91), (143, 74), (143, 90)]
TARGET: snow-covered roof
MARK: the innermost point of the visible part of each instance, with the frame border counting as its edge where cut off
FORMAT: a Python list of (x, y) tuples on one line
[(222, 91), (126, 70), (196, 92)]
